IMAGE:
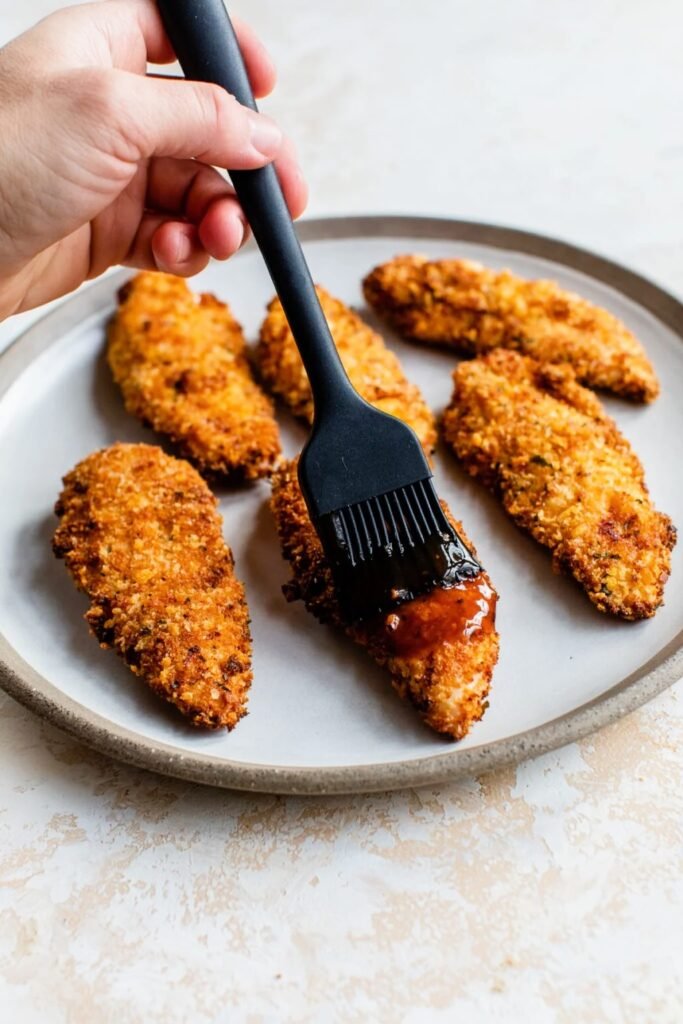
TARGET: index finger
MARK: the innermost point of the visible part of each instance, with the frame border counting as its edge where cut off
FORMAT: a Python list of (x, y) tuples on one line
[(258, 63), (126, 34), (257, 60)]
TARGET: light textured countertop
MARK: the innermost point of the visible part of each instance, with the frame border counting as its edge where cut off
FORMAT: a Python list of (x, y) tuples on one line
[(547, 893)]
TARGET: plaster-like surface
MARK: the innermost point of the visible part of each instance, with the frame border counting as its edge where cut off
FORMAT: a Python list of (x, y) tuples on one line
[(551, 892)]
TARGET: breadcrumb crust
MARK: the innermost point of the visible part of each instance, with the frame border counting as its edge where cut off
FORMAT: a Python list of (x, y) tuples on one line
[(563, 471), (141, 536), (373, 369), (472, 309), (181, 363)]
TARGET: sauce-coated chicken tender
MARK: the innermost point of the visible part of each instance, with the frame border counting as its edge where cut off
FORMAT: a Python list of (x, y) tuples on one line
[(180, 361), (472, 309), (373, 369), (566, 474), (440, 649), (141, 536)]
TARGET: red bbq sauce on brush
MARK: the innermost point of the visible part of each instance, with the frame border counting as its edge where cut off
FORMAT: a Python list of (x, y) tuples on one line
[(440, 617)]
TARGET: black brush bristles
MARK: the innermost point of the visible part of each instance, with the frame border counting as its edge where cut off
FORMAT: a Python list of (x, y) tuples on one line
[(391, 549)]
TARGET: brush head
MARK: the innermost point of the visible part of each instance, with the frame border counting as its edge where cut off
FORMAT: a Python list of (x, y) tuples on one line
[(392, 548), (370, 496)]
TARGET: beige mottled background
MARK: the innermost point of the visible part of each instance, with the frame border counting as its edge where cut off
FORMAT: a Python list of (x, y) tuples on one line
[(547, 893)]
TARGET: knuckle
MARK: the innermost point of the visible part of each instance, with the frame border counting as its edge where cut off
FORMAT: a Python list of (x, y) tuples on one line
[(221, 111)]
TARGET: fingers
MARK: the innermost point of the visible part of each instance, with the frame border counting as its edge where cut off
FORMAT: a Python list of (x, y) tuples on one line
[(223, 228), (259, 65), (118, 33), (145, 15), (202, 196), (260, 68), (121, 17), (196, 193), (188, 187), (193, 214), (292, 180), (177, 249), (126, 34), (167, 245), (184, 187)]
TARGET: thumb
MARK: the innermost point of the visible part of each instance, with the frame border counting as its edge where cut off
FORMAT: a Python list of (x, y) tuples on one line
[(178, 118)]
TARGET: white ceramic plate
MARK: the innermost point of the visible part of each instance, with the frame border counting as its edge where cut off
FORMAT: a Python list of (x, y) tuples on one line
[(323, 718)]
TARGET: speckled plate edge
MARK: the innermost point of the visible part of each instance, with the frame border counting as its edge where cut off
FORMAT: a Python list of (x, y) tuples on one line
[(34, 691)]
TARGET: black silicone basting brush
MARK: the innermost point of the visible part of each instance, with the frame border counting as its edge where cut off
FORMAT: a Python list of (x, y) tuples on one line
[(367, 484)]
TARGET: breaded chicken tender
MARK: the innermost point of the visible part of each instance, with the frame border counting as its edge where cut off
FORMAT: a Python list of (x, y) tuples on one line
[(180, 361), (440, 648), (564, 472), (141, 536), (373, 369), (472, 309)]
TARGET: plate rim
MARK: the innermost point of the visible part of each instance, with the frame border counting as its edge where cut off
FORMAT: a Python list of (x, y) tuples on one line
[(37, 693)]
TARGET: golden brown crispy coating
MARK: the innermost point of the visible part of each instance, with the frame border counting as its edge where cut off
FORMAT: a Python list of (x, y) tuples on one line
[(180, 361), (373, 369), (440, 649), (472, 309), (565, 473), (141, 537)]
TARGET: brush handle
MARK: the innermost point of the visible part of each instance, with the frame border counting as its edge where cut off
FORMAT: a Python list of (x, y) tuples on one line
[(208, 51)]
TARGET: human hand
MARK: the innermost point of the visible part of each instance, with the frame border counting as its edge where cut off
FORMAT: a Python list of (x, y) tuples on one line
[(102, 165)]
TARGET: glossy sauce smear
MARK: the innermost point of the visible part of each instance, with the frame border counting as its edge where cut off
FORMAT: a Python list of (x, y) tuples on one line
[(440, 617)]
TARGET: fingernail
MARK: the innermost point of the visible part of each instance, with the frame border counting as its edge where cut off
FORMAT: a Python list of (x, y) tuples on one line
[(266, 137), (242, 221), (183, 249)]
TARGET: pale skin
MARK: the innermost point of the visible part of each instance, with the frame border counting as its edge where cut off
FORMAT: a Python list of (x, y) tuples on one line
[(102, 165)]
